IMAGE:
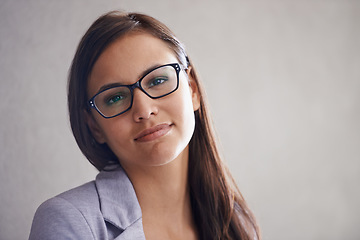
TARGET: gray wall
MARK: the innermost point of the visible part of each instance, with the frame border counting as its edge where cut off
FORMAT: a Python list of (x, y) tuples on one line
[(283, 79)]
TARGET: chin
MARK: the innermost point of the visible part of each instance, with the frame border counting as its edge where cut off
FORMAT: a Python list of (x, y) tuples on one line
[(159, 154)]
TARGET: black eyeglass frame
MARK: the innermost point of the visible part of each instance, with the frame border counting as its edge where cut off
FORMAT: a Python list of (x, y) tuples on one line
[(131, 87)]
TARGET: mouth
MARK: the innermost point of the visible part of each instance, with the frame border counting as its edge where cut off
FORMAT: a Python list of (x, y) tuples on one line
[(153, 133)]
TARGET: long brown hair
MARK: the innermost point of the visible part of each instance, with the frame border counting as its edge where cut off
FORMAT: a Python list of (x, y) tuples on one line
[(219, 209)]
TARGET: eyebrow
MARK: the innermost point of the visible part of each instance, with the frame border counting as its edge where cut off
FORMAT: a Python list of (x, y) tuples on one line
[(142, 74)]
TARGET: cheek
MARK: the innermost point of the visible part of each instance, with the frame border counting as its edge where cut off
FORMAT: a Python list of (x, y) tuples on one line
[(118, 138), (113, 129), (183, 107)]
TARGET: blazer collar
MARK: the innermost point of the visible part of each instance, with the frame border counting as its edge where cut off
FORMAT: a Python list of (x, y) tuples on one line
[(118, 201)]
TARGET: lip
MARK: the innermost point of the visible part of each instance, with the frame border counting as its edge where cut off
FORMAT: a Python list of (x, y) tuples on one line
[(153, 133)]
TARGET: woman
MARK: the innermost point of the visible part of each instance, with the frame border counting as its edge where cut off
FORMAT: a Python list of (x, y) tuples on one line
[(138, 113)]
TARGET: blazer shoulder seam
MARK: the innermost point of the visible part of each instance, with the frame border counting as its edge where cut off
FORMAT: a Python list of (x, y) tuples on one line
[(87, 223)]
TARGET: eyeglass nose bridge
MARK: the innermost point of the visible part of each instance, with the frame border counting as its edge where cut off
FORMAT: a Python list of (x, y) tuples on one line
[(137, 85)]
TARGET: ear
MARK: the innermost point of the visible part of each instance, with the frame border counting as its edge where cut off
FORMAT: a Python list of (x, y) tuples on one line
[(194, 90), (94, 128)]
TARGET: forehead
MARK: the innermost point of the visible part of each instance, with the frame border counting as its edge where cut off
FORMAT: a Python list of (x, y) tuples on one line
[(127, 58)]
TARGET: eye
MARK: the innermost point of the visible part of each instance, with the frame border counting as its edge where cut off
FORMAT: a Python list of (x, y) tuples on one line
[(157, 81), (115, 99)]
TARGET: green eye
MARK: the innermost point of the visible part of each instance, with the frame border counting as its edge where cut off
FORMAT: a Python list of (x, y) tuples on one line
[(158, 81), (115, 99)]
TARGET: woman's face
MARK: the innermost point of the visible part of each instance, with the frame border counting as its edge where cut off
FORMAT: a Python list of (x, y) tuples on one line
[(154, 131)]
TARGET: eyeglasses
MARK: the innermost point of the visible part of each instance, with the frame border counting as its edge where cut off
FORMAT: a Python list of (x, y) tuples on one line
[(158, 82)]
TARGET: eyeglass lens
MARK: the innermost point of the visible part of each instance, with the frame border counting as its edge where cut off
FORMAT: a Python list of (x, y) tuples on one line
[(157, 83)]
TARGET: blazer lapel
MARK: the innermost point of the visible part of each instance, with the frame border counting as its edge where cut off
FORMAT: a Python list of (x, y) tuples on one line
[(119, 204)]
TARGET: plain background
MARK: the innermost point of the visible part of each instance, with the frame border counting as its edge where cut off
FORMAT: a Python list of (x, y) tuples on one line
[(282, 78)]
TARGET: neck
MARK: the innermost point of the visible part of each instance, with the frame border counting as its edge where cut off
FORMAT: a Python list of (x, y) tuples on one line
[(164, 196)]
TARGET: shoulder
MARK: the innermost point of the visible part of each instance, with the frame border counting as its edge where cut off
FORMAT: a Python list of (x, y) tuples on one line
[(82, 197), (72, 214), (102, 209)]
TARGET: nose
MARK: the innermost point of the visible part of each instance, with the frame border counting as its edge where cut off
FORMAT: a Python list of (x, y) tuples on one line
[(143, 107)]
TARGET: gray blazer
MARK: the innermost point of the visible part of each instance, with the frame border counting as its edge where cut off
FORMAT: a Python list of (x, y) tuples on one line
[(106, 208)]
